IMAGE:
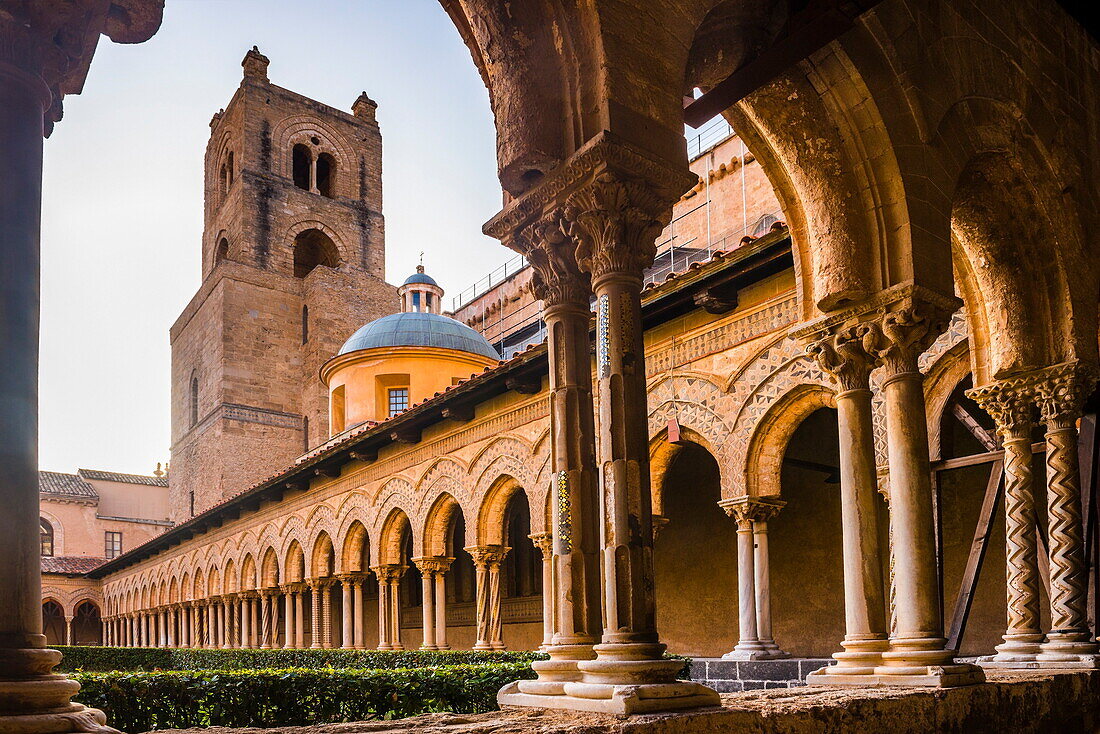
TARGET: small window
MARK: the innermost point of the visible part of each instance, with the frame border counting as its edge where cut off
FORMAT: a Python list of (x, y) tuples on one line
[(45, 536), (302, 161), (305, 324), (112, 544), (398, 400), (193, 399), (338, 409), (416, 301), (222, 252), (326, 175), (428, 302)]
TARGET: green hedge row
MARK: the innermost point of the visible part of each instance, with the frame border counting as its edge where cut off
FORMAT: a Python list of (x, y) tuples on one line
[(141, 701), (162, 658)]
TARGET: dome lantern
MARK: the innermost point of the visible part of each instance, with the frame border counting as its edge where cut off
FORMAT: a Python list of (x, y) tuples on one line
[(420, 293)]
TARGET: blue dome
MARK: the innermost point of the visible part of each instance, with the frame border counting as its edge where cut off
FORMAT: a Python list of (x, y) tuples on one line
[(419, 330), (420, 278)]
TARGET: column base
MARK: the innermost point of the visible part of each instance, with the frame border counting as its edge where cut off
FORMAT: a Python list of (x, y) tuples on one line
[(754, 650), (560, 669), (429, 648), (924, 661), (615, 699), (75, 718), (1071, 648), (858, 658)]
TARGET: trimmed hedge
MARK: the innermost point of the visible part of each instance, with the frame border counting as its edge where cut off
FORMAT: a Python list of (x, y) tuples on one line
[(141, 701), (163, 658)]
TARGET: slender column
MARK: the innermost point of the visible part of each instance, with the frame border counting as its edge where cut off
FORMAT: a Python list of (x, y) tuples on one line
[(441, 604), (1011, 404), (749, 646), (68, 630), (170, 631), (918, 652), (382, 573), (487, 560), (545, 543), (227, 622), (265, 619), (299, 618), (254, 612), (395, 609), (289, 623), (246, 627), (1061, 399), (844, 354), (348, 612), (357, 618), (315, 586), (763, 583), (326, 614)]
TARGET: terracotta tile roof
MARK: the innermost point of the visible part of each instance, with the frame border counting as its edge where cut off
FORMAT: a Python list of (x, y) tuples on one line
[(69, 485), (70, 564), (110, 476)]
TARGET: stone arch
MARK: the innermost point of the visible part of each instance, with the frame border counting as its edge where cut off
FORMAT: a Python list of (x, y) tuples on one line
[(293, 529), (697, 402), (295, 566), (445, 474), (321, 519), (437, 524), (269, 570), (296, 129), (354, 548), (354, 508), (941, 379), (213, 581), (773, 432), (230, 581), (322, 557), (248, 573), (391, 535), (341, 253), (58, 530), (489, 529), (777, 369), (661, 455), (187, 591)]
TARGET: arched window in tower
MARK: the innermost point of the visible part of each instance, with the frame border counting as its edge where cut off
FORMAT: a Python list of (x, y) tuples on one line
[(302, 161), (326, 175), (222, 251), (338, 410), (45, 536), (305, 324), (229, 170), (193, 400), (313, 247)]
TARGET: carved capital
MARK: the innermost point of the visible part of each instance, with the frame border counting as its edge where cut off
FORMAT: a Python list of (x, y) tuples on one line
[(488, 556), (904, 334), (1061, 391), (433, 565), (389, 572), (556, 278), (544, 542), (752, 509), (847, 354), (1011, 405), (615, 221)]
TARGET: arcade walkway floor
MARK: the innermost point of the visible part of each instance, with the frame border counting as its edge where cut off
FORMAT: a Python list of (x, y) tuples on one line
[(1017, 702)]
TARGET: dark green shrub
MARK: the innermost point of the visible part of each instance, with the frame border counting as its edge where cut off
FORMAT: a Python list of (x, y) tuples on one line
[(140, 701), (159, 658)]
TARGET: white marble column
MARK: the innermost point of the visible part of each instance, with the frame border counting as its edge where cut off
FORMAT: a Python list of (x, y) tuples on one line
[(299, 618), (545, 543), (749, 646), (357, 616), (347, 612)]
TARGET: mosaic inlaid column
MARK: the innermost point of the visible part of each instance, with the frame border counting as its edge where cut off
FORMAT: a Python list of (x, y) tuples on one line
[(847, 356), (326, 613), (1062, 392), (384, 575), (1012, 405), (918, 654), (565, 292), (487, 560)]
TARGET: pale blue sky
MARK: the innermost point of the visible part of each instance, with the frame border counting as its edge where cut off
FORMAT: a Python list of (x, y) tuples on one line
[(122, 202)]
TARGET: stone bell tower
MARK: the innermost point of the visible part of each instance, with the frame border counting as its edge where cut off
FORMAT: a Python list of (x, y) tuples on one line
[(293, 261)]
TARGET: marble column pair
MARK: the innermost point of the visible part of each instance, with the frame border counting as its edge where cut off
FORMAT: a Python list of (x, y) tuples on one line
[(755, 639), (433, 570), (1058, 392), (588, 229), (490, 623), (887, 334), (389, 605), (351, 587)]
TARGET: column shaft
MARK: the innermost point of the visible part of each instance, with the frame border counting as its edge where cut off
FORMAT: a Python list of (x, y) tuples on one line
[(441, 611), (347, 640), (428, 610), (357, 616)]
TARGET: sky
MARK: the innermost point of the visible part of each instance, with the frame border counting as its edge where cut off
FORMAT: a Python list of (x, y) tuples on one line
[(122, 190)]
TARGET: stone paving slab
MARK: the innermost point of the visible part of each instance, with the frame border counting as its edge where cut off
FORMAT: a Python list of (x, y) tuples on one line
[(1018, 702)]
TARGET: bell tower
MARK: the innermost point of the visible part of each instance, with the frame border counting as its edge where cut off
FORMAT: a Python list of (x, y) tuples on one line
[(293, 261)]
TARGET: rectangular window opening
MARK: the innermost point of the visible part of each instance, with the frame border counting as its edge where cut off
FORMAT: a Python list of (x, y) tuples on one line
[(112, 544), (398, 400)]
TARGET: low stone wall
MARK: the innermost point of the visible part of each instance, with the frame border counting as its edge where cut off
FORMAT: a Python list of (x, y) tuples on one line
[(734, 676), (1021, 703)]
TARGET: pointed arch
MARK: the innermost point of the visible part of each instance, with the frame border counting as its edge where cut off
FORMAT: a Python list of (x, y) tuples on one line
[(437, 525), (355, 549), (773, 433)]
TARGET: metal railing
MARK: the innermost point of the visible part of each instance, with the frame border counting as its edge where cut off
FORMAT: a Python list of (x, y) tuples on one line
[(707, 137), (486, 284)]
